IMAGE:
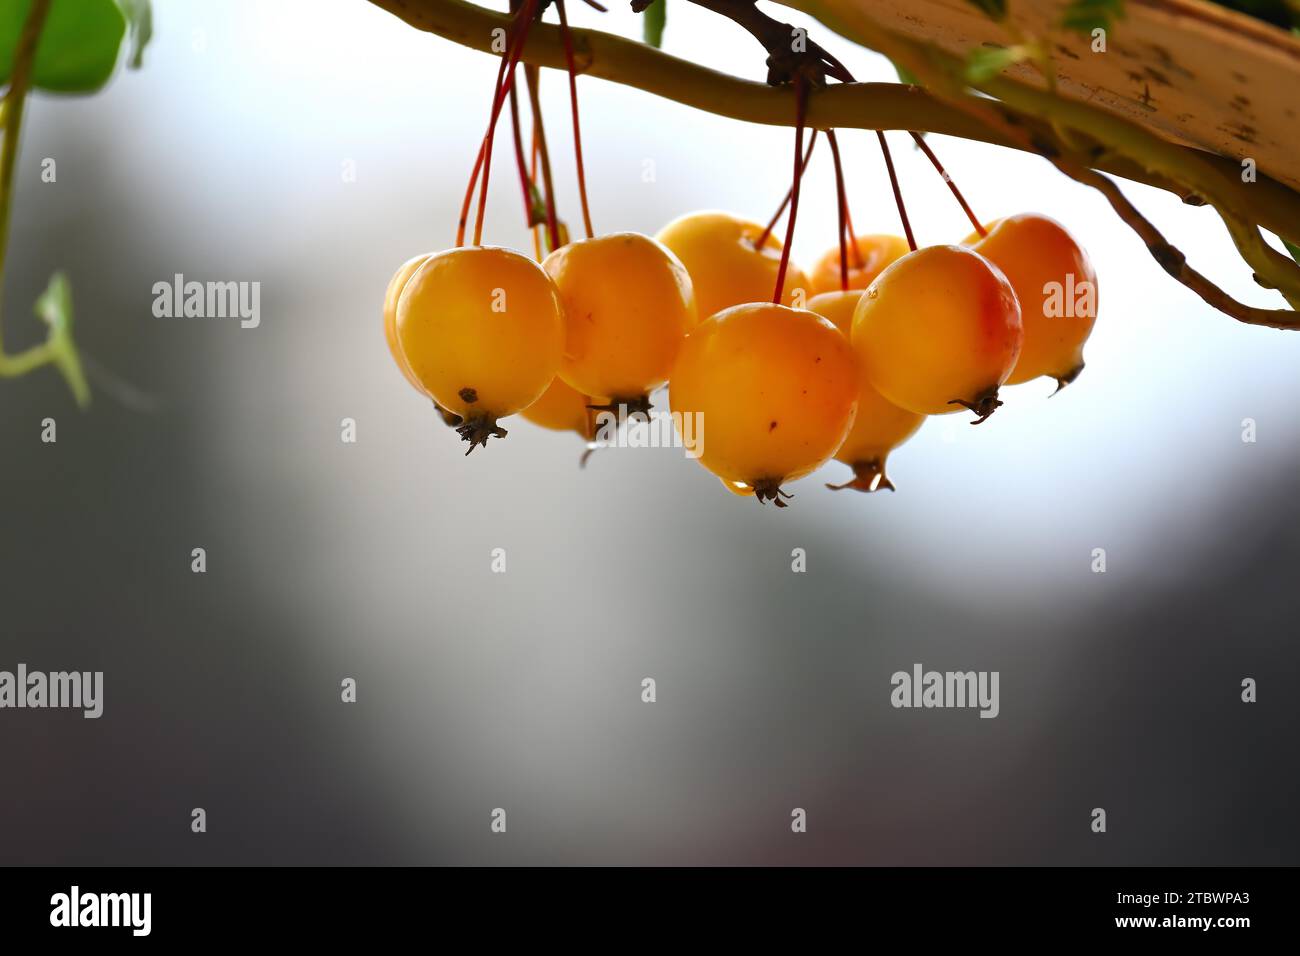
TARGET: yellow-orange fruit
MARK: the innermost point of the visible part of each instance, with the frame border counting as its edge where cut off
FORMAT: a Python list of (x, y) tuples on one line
[(1057, 289), (483, 331), (726, 265), (880, 426), (875, 252), (773, 390), (628, 306), (939, 330)]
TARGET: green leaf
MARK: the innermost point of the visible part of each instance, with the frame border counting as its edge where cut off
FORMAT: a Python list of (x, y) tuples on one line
[(1084, 16), (55, 308), (986, 62), (139, 21), (997, 9), (78, 48), (1292, 248), (652, 26)]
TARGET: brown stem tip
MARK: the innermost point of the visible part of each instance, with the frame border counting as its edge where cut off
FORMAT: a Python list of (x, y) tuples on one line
[(984, 406), (868, 476), (769, 489), (1067, 378), (477, 431)]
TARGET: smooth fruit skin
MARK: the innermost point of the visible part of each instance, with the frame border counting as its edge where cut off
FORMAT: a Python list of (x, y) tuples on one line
[(1048, 269), (562, 409), (880, 426), (940, 325), (875, 252), (776, 388), (628, 305), (395, 286), (483, 330), (391, 297), (838, 307), (725, 266)]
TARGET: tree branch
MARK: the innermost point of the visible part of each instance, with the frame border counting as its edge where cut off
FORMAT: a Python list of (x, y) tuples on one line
[(1172, 260), (887, 106), (1193, 175)]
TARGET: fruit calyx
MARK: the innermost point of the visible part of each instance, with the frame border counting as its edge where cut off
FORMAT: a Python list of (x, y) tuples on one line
[(477, 431), (769, 489), (984, 405), (868, 476)]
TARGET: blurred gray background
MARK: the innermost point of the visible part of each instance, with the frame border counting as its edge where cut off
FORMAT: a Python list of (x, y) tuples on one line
[(223, 159)]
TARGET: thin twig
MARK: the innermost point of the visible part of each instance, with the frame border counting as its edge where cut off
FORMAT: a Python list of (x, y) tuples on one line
[(1174, 262)]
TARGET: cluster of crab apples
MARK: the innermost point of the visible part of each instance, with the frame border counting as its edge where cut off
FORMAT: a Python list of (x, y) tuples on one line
[(846, 363)]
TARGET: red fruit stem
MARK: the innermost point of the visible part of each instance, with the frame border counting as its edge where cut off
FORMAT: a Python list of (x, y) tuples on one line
[(525, 180), (771, 224), (513, 51), (469, 190), (800, 110), (934, 160), (532, 76), (853, 237), (536, 230), (842, 203), (898, 194), (478, 161), (577, 127)]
